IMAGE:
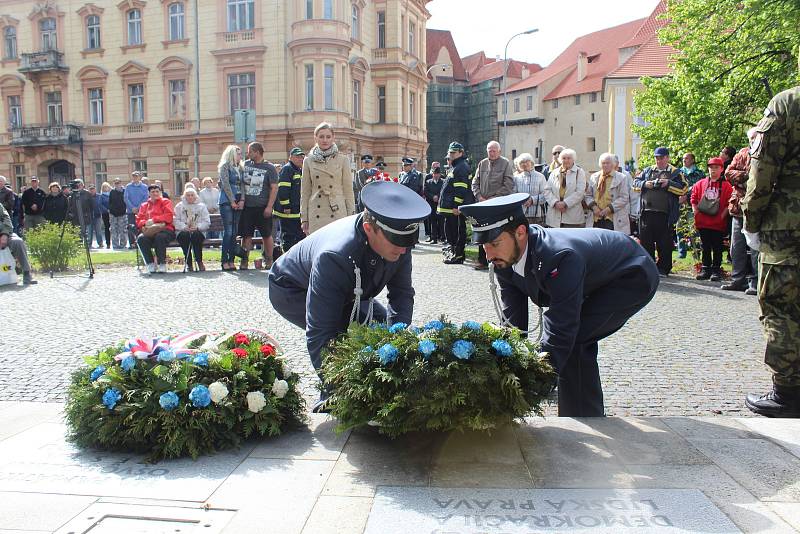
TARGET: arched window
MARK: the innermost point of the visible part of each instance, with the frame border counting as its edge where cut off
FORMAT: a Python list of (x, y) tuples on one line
[(10, 42), (355, 23), (47, 31), (92, 32), (176, 22), (134, 27)]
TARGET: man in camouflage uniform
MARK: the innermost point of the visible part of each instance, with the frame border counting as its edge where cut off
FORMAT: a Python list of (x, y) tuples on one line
[(771, 210)]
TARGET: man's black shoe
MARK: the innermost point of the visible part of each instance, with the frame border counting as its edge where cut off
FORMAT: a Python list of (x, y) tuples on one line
[(455, 260), (751, 291), (780, 402), (705, 274), (716, 275), (735, 286)]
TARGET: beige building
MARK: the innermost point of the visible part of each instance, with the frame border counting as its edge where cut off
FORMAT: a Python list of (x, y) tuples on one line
[(103, 88)]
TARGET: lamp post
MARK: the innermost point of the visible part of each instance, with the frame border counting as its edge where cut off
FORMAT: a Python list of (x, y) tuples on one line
[(443, 65), (503, 82)]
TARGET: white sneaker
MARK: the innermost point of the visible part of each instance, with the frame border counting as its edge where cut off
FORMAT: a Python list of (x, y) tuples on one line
[(162, 268), (151, 268)]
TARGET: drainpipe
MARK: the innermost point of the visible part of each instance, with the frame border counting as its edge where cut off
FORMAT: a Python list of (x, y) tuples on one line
[(197, 89)]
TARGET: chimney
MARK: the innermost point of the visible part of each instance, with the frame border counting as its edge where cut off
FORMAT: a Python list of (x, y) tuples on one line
[(525, 72), (583, 65)]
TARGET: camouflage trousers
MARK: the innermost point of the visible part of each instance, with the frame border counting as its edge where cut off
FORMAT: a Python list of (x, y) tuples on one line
[(779, 298)]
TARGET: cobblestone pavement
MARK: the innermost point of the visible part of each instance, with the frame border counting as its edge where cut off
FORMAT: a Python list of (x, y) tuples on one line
[(695, 350)]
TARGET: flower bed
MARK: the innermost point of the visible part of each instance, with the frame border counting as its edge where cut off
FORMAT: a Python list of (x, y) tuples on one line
[(182, 396), (438, 377)]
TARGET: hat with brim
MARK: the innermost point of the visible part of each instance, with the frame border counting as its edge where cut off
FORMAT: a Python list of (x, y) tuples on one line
[(397, 211), (488, 218), (297, 151)]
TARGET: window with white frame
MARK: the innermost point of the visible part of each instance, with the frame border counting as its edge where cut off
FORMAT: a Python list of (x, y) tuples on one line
[(327, 9), (48, 34), (382, 104), (530, 102), (100, 173), (92, 32), (177, 99), (309, 87), (241, 15), (444, 94), (54, 108), (14, 111), (136, 103), (412, 105), (134, 18), (10, 42), (356, 99), (355, 23), (381, 29), (96, 106), (242, 91), (328, 80), (516, 105), (180, 173), (139, 165), (412, 38), (177, 22)]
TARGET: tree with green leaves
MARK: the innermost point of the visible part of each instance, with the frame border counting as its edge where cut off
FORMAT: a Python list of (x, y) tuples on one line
[(730, 57)]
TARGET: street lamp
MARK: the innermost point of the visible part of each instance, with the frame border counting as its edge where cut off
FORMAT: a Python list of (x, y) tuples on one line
[(503, 82), (443, 65)]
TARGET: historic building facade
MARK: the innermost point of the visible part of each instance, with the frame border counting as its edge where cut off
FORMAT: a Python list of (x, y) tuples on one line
[(100, 89)]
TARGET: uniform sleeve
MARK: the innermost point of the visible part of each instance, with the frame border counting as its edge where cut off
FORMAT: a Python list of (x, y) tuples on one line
[(400, 292), (284, 198), (305, 191), (561, 321), (767, 153), (330, 289), (461, 186), (515, 304)]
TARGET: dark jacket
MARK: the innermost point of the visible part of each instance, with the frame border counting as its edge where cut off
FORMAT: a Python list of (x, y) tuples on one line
[(413, 180), (563, 267), (664, 199), (322, 266), (81, 199), (31, 197), (457, 187), (7, 199), (55, 208), (433, 188), (116, 203), (287, 203)]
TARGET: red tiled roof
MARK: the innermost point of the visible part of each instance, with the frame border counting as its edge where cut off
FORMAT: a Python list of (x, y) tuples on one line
[(494, 70), (652, 59), (435, 41), (649, 28), (475, 61)]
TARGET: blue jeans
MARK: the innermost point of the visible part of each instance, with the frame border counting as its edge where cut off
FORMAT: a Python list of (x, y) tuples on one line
[(97, 230), (230, 223)]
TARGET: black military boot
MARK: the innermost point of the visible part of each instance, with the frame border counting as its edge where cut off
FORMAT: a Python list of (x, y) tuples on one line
[(782, 401)]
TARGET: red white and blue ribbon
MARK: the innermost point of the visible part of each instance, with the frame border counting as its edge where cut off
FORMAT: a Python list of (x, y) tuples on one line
[(144, 349)]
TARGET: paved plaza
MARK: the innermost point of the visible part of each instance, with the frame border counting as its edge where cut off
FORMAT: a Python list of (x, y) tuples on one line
[(695, 350)]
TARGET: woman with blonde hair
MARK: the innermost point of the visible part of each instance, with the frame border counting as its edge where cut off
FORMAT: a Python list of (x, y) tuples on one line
[(326, 190), (191, 221), (231, 201), (565, 193), (527, 180)]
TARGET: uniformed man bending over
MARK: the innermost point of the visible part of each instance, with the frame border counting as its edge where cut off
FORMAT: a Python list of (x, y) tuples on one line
[(330, 279), (591, 280)]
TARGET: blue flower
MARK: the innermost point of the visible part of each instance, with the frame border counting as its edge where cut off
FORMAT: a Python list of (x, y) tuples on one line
[(387, 353), (463, 349), (111, 397), (97, 373), (502, 348), (166, 355), (128, 363), (200, 359), (376, 326), (434, 325), (199, 396), (415, 330), (367, 349), (396, 327), (472, 325), (169, 400), (426, 347)]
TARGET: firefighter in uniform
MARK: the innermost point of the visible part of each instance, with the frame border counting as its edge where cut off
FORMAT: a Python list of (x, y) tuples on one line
[(456, 192), (287, 203)]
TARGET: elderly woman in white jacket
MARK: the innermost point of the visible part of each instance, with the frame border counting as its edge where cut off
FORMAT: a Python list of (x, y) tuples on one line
[(191, 220), (565, 192), (608, 197)]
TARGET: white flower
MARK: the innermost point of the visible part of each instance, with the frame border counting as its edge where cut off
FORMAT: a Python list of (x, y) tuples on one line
[(218, 391), (280, 388), (256, 401)]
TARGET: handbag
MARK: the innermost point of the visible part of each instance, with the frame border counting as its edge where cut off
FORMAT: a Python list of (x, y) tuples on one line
[(8, 273), (709, 206), (153, 229)]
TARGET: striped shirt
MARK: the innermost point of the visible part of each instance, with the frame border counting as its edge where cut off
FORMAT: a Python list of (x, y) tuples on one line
[(532, 183)]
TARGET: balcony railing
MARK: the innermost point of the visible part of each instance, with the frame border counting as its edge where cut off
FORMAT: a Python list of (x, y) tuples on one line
[(44, 135), (42, 61)]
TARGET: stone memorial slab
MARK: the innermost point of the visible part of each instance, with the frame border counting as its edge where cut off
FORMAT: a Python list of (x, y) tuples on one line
[(107, 518), (399, 510), (40, 460)]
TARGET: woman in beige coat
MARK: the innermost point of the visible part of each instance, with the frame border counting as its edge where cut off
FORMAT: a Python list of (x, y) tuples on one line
[(565, 192), (608, 196), (326, 190)]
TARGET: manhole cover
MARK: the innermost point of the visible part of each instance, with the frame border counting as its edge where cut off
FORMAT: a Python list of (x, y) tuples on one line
[(109, 518)]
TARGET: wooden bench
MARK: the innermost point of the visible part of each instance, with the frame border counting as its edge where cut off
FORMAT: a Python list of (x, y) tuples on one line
[(216, 226)]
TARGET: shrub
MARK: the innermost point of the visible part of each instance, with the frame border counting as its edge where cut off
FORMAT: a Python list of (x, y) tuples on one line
[(44, 249)]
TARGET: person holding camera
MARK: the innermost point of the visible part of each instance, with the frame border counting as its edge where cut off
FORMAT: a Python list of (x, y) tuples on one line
[(155, 222), (231, 201)]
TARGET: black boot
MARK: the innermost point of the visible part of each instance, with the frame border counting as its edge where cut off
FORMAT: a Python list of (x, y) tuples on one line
[(782, 401), (735, 285), (716, 274), (705, 274)]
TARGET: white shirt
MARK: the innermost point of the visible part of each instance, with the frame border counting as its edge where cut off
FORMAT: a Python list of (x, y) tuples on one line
[(519, 267)]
